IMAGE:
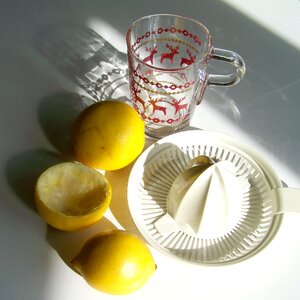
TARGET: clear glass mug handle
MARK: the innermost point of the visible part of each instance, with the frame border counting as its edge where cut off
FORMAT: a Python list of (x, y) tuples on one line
[(231, 58)]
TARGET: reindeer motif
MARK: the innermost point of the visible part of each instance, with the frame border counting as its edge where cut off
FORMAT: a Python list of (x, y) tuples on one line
[(151, 55), (188, 61), (155, 107), (137, 98), (178, 106), (169, 55)]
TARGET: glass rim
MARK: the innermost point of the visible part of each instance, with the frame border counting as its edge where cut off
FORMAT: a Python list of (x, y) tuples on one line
[(203, 27)]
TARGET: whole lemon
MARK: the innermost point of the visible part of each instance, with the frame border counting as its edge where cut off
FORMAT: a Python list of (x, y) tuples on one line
[(115, 262), (108, 135), (70, 196)]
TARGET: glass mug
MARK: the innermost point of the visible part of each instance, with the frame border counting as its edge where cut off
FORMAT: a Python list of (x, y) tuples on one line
[(168, 57)]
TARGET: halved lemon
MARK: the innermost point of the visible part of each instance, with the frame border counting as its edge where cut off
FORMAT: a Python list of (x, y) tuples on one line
[(71, 196)]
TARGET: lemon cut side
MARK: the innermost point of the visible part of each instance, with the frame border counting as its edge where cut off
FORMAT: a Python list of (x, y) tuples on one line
[(71, 196)]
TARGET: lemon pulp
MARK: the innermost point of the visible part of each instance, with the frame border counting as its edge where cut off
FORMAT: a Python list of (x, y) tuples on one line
[(70, 196)]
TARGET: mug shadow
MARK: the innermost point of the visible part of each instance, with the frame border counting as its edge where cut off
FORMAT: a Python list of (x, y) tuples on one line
[(87, 59)]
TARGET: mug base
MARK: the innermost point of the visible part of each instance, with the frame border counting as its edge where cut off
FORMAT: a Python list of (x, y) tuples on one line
[(161, 132)]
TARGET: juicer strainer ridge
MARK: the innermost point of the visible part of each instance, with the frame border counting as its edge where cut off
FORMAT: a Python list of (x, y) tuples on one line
[(155, 171)]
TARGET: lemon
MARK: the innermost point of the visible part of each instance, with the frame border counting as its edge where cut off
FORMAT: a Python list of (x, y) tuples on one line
[(116, 262), (70, 196), (108, 135)]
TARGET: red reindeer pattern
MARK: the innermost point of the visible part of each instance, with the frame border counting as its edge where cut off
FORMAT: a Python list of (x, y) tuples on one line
[(169, 55), (188, 61), (155, 107), (178, 105), (151, 55), (137, 98)]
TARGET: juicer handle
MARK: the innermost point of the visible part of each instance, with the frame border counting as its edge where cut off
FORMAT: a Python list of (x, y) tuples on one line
[(231, 58), (289, 199)]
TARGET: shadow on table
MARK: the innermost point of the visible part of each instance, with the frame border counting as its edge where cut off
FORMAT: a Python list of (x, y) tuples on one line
[(23, 170), (68, 244), (119, 204), (87, 59), (56, 114)]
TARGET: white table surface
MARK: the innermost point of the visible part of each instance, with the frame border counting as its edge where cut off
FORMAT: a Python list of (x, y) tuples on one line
[(38, 102)]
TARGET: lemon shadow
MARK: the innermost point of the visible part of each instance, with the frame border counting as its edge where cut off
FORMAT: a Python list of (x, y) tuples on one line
[(68, 244), (22, 171), (56, 115), (119, 203)]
